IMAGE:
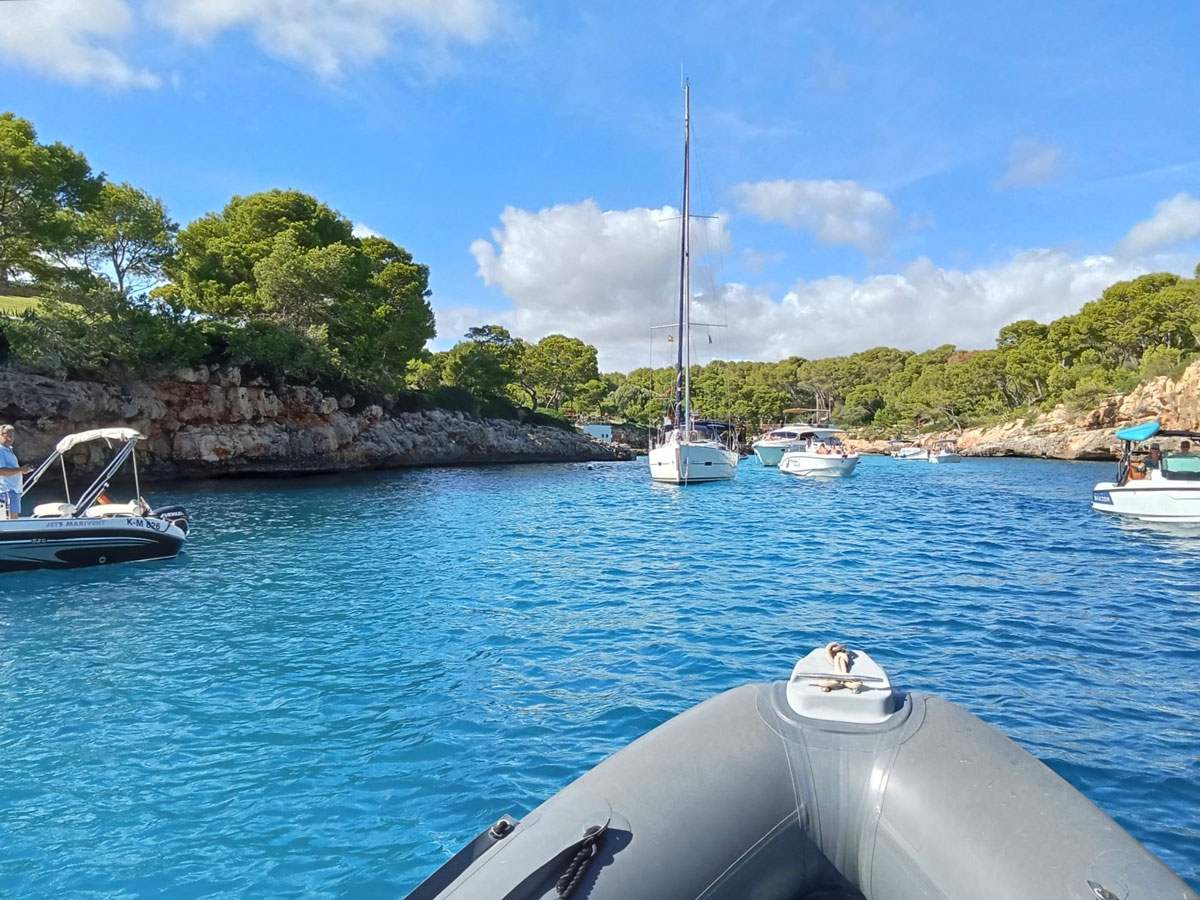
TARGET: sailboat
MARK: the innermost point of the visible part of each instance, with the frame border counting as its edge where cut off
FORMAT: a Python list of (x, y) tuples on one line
[(687, 449)]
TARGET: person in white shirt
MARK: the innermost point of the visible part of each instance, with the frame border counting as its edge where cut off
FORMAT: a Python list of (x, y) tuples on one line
[(10, 472)]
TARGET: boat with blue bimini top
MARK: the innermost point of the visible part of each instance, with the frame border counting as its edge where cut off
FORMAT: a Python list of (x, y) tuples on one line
[(1158, 485), (91, 530), (832, 784)]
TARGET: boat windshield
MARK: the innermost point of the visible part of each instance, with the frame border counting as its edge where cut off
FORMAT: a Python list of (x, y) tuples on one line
[(1181, 466)]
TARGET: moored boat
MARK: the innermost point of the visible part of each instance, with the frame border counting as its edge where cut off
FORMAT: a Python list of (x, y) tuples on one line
[(820, 455), (688, 450), (91, 530), (904, 448), (945, 451), (773, 444), (832, 785), (1158, 487)]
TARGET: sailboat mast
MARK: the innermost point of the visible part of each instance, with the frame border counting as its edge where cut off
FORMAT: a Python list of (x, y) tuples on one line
[(686, 286), (677, 408)]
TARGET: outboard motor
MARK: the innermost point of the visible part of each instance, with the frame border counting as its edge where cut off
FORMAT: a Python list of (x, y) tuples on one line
[(176, 515), (830, 785)]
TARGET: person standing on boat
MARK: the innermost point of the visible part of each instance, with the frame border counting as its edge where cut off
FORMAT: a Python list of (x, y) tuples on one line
[(10, 472)]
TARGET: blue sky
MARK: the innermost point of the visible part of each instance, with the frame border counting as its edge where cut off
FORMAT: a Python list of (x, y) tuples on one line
[(908, 174)]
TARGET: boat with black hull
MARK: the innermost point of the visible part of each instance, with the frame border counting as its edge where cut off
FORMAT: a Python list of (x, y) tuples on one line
[(92, 530)]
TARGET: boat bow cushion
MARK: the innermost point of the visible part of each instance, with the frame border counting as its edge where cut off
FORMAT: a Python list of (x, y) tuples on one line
[(102, 510), (53, 510)]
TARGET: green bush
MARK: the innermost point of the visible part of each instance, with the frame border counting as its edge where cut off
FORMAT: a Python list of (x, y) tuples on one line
[(280, 349), (497, 408), (101, 332), (454, 398)]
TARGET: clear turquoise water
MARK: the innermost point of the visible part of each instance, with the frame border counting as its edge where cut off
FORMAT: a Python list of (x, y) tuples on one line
[(344, 679)]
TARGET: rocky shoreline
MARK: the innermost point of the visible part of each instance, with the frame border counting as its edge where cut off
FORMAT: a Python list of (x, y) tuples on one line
[(217, 421), (1086, 435)]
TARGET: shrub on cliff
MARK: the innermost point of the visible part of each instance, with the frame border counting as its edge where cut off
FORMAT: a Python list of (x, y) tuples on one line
[(100, 331)]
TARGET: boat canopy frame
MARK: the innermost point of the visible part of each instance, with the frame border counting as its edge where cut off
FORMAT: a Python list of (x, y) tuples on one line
[(1137, 434), (128, 438)]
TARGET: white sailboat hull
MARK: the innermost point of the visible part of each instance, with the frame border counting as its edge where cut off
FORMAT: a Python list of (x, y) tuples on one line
[(822, 465), (1152, 500), (692, 462)]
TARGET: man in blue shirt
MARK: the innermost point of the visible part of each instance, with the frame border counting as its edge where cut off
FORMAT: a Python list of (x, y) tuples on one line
[(11, 472)]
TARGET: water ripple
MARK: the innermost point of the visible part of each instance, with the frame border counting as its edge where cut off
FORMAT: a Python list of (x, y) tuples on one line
[(344, 679)]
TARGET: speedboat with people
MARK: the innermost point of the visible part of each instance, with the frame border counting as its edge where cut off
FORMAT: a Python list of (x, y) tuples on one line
[(833, 784), (777, 441), (945, 451), (907, 448), (91, 529), (821, 454), (1154, 485)]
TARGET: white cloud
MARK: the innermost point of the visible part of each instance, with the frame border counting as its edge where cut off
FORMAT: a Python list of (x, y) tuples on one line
[(602, 276), (838, 212), (606, 277), (1031, 163), (327, 36), (364, 231), (67, 40), (918, 307), (1175, 220)]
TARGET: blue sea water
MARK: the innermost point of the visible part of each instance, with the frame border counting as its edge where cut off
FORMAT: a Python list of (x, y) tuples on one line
[(343, 679)]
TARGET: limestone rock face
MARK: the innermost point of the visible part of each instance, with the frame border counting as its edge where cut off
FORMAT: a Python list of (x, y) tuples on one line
[(1062, 434), (212, 421)]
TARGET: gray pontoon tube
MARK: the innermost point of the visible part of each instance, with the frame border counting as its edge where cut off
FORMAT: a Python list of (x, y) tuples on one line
[(830, 785)]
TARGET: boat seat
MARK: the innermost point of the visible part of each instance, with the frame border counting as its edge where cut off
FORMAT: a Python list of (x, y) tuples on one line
[(54, 510), (105, 510)]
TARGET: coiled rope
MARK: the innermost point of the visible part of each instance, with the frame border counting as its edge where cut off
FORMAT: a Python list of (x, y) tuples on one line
[(838, 657)]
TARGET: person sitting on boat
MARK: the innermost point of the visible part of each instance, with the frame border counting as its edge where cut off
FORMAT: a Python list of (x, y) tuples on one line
[(1154, 460), (1185, 448), (10, 472)]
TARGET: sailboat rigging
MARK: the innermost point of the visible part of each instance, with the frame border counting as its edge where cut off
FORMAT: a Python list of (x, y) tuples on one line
[(687, 449)]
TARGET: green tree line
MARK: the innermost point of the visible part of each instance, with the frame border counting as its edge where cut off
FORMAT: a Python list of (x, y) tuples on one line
[(1135, 330), (278, 280)]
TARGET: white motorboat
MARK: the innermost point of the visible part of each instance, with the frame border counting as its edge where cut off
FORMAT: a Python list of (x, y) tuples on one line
[(822, 455), (903, 448), (688, 450), (790, 436), (945, 451), (91, 530), (1159, 487)]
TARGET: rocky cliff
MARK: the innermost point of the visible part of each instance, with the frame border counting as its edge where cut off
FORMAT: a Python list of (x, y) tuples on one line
[(1062, 434), (217, 420)]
